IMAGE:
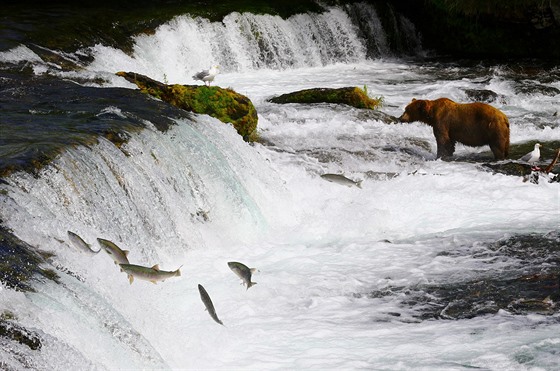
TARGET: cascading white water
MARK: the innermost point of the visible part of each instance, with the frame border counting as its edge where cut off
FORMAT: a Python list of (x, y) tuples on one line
[(157, 190), (198, 196), (245, 41), (160, 196)]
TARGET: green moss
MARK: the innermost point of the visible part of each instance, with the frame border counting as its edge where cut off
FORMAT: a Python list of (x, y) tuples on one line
[(351, 96), (225, 105)]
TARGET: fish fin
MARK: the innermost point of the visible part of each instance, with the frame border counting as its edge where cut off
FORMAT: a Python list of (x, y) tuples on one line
[(154, 282), (125, 252), (251, 284), (156, 267), (253, 270), (130, 278)]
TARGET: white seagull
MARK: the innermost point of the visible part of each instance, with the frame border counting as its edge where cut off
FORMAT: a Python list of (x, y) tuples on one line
[(532, 156), (207, 76)]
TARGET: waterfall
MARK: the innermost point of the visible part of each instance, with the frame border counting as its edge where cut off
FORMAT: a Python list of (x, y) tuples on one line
[(157, 190), (164, 196), (246, 41)]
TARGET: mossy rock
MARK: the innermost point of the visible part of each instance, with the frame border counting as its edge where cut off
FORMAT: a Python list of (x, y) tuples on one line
[(351, 96), (224, 104)]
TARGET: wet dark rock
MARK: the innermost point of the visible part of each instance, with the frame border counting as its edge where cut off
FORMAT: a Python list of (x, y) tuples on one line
[(377, 115), (531, 286), (58, 59), (483, 95), (537, 89), (20, 263), (510, 168), (15, 332), (502, 29), (547, 165), (43, 115), (351, 96)]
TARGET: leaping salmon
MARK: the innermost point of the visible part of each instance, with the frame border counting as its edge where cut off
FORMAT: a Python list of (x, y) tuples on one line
[(118, 255), (243, 272), (208, 304), (342, 180), (153, 274), (81, 244)]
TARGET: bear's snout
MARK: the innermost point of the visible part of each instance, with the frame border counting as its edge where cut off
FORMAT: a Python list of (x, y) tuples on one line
[(404, 118)]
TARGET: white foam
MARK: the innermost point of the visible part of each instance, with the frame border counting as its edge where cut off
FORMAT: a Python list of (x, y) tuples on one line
[(198, 196)]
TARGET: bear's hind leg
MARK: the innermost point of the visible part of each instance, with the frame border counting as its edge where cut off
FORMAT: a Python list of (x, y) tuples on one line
[(445, 149), (499, 152)]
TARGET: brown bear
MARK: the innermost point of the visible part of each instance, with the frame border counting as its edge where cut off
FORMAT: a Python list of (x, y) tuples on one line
[(473, 124)]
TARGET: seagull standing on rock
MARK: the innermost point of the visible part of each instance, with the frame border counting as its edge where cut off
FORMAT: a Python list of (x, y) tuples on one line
[(532, 156), (207, 76)]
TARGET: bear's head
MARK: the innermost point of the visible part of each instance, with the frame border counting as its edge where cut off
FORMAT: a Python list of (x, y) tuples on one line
[(417, 110)]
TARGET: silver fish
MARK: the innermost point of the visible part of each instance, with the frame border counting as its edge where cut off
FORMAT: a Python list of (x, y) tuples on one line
[(341, 179), (208, 304), (81, 244), (243, 272), (153, 274), (118, 255)]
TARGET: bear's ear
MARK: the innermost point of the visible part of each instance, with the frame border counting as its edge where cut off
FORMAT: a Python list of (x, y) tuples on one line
[(413, 99)]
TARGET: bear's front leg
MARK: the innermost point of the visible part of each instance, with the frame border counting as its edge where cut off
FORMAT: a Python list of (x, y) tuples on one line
[(445, 146)]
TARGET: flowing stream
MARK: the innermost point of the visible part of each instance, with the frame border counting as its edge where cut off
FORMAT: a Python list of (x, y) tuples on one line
[(401, 273)]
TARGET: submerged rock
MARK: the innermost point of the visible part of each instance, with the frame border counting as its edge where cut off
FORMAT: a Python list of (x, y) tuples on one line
[(527, 171), (20, 263), (15, 332), (531, 286), (484, 95), (351, 96), (224, 104), (377, 115), (510, 168)]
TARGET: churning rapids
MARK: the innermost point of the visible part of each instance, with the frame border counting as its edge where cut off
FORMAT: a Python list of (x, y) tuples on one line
[(402, 273)]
